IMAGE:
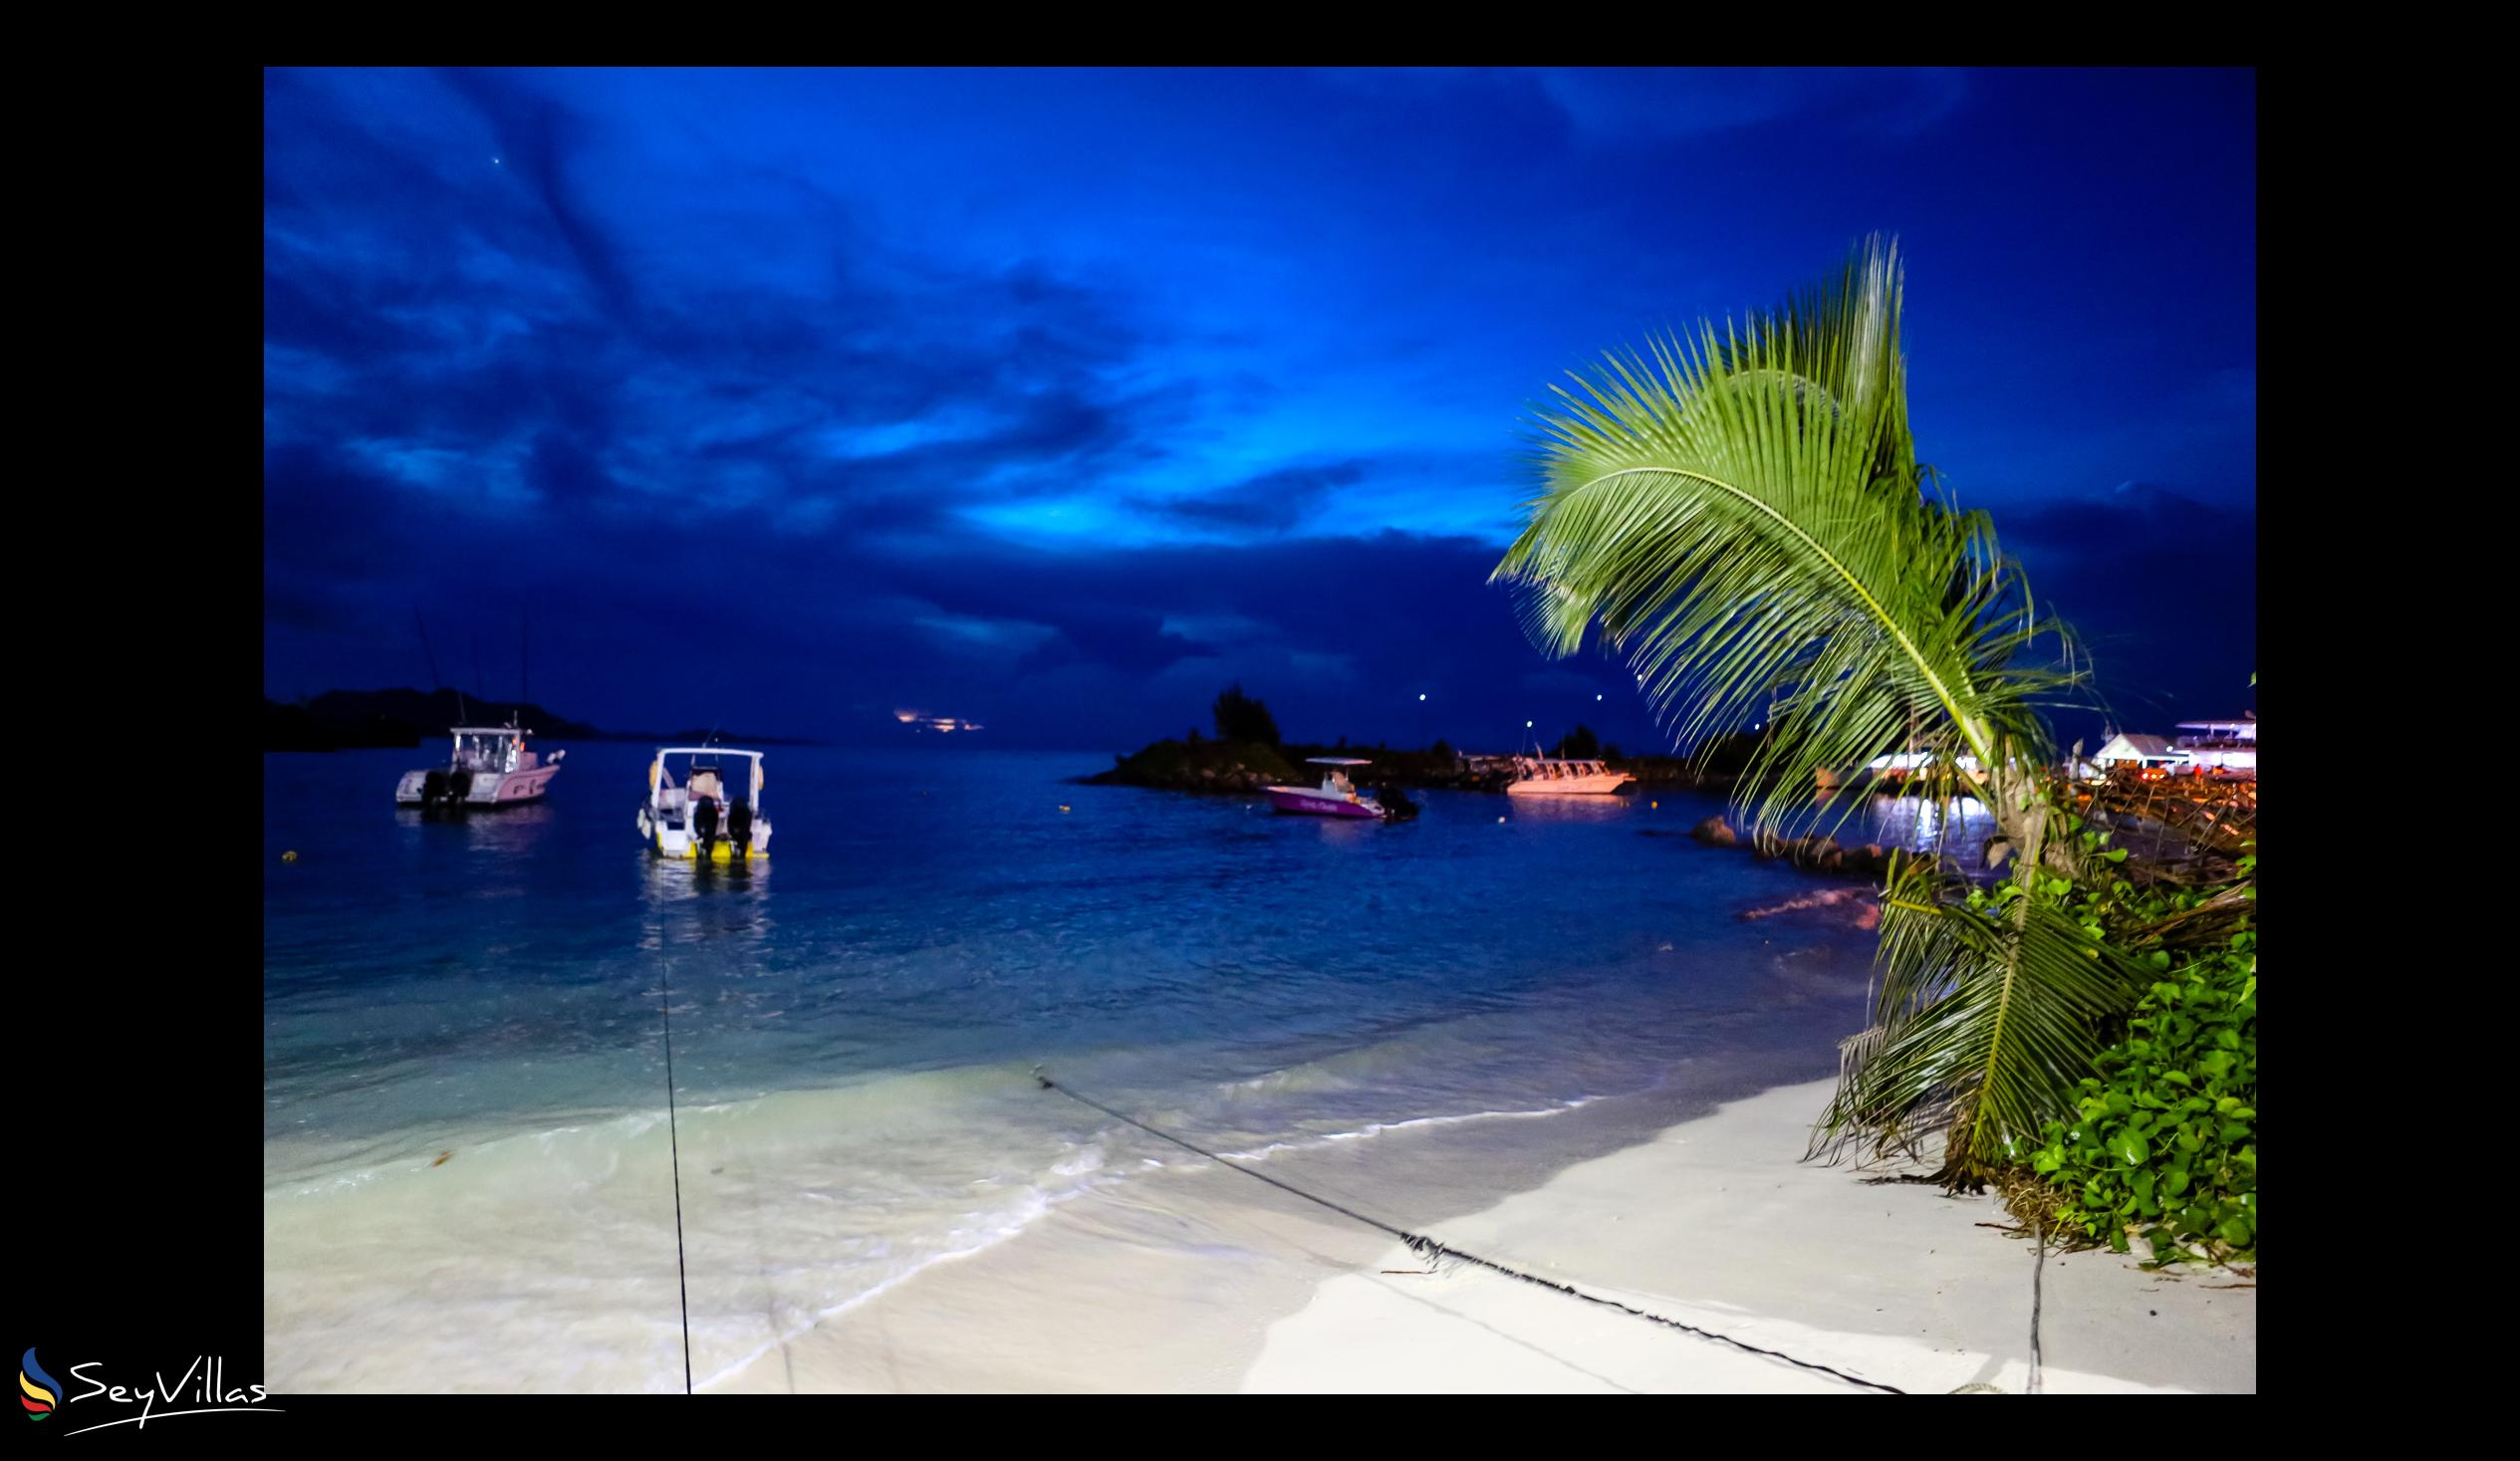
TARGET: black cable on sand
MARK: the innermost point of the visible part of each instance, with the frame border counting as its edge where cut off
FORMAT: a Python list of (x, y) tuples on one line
[(1428, 1248), (2039, 1234), (673, 1133)]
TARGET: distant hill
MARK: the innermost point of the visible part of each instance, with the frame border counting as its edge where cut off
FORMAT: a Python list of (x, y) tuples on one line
[(348, 720)]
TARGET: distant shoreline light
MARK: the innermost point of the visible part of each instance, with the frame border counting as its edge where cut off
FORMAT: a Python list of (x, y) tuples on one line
[(920, 721)]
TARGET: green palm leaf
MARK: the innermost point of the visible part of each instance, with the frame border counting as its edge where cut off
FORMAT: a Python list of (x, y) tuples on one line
[(1739, 513), (1985, 1022), (1742, 516)]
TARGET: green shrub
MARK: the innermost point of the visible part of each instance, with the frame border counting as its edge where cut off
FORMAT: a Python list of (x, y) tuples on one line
[(2164, 1144)]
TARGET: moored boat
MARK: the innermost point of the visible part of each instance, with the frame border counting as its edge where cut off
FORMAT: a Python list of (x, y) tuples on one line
[(1337, 796), (1549, 776), (700, 817), (489, 767)]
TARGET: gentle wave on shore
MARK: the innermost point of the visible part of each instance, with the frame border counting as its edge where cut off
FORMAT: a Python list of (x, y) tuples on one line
[(465, 1131)]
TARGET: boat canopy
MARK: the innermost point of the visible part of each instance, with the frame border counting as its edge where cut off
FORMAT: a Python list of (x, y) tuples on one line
[(753, 756), (1337, 761), (658, 778)]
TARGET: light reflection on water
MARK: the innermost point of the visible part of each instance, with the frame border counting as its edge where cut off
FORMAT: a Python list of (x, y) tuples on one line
[(1569, 809), (695, 901), (1954, 830)]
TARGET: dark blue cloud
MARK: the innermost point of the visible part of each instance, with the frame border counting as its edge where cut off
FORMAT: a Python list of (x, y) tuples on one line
[(1271, 502), (1057, 399)]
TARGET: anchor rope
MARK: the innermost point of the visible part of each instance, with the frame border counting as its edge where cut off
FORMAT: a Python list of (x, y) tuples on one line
[(674, 1132), (1428, 1248), (2039, 1233)]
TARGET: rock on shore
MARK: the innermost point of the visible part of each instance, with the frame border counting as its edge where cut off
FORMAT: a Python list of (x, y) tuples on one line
[(1818, 854)]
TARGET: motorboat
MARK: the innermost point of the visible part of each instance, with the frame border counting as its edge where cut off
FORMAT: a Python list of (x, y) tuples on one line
[(1337, 796), (1549, 776), (489, 767), (699, 816)]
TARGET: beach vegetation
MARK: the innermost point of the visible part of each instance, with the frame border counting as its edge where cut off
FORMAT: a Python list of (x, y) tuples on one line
[(2161, 1143), (1739, 513)]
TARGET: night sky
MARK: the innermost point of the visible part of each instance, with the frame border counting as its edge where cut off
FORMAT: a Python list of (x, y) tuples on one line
[(1057, 400)]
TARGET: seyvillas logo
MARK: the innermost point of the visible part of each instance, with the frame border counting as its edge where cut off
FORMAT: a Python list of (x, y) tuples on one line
[(37, 1391), (202, 1389)]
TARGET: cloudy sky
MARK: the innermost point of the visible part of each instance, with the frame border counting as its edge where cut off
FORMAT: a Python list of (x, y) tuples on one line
[(784, 401)]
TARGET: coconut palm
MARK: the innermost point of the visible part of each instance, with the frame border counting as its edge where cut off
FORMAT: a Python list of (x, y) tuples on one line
[(1741, 515)]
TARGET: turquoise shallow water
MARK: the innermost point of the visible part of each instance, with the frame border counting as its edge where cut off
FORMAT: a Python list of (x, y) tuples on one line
[(853, 1023)]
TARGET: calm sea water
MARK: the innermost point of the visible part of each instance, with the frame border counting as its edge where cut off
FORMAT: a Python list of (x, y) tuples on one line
[(465, 1030)]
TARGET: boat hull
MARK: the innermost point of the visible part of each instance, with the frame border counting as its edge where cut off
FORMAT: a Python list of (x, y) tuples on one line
[(1300, 803), (488, 788), (677, 845), (1573, 786)]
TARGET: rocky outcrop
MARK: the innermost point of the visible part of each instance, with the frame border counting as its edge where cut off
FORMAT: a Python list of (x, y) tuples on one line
[(1238, 768), (1244, 767), (1871, 861)]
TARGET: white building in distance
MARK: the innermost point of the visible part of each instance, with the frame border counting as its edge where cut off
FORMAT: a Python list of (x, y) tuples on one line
[(2201, 748), (2227, 747)]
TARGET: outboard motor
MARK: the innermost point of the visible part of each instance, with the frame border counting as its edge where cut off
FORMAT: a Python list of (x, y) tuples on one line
[(1395, 804), (704, 825), (739, 828), (433, 789)]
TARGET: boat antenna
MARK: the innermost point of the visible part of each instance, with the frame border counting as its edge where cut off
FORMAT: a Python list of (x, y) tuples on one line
[(524, 660)]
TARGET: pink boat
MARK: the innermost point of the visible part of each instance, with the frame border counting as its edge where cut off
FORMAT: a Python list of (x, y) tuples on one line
[(490, 767), (1334, 797)]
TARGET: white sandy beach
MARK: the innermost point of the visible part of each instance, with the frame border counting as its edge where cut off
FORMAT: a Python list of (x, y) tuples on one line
[(1715, 1224), (1211, 1282)]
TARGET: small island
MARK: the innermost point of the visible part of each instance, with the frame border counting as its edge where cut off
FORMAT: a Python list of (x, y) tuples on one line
[(1248, 753)]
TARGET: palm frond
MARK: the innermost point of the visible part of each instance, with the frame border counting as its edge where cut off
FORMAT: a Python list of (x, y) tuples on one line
[(1986, 1020), (1742, 516)]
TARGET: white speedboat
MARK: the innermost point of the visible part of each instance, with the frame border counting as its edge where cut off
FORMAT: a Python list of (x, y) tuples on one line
[(1549, 776), (700, 817), (1334, 797), (489, 767)]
